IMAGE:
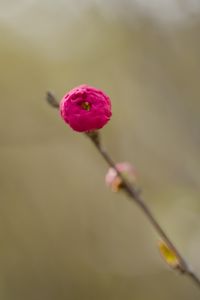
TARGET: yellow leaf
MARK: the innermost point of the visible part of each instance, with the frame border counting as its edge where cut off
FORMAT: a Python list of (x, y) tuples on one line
[(168, 255)]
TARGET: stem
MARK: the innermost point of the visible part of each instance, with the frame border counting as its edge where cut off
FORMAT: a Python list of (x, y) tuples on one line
[(135, 195)]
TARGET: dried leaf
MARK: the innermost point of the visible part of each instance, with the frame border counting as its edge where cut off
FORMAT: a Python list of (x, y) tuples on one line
[(168, 255)]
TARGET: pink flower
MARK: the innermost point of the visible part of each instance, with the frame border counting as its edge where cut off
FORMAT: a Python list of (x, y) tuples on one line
[(112, 179), (85, 108)]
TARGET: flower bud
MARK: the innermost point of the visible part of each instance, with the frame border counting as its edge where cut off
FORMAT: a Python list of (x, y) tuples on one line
[(114, 181), (85, 108)]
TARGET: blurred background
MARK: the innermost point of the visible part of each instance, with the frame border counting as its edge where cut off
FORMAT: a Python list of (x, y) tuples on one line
[(63, 234)]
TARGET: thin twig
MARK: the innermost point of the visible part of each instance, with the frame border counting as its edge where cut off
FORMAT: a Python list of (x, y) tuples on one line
[(135, 195), (51, 99)]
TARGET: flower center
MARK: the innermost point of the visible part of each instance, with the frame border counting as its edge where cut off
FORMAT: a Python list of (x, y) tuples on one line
[(86, 105)]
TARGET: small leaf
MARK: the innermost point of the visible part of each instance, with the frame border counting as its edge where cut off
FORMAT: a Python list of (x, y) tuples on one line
[(168, 255)]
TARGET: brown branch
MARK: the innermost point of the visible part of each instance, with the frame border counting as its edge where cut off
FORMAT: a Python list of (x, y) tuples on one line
[(135, 195)]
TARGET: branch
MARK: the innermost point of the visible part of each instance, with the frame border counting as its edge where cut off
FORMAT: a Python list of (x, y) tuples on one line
[(135, 195)]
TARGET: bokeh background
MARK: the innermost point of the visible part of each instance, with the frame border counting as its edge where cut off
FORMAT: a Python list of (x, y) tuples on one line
[(63, 234)]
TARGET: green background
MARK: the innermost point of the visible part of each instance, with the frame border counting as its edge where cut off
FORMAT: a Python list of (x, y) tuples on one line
[(63, 234)]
